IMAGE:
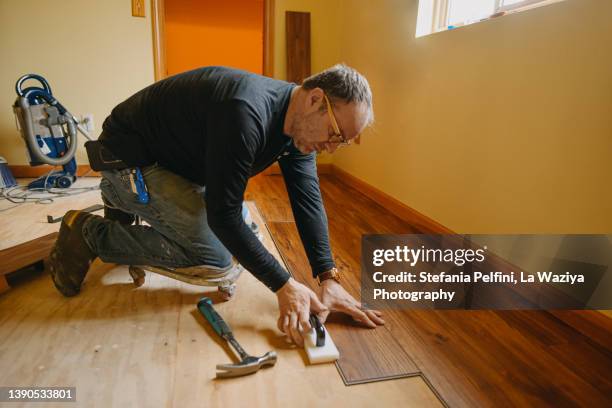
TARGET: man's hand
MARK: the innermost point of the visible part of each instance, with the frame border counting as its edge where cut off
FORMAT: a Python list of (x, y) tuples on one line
[(337, 299), (295, 301)]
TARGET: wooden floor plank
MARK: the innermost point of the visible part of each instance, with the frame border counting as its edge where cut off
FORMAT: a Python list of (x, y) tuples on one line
[(472, 358), (595, 326), (476, 358), (24, 223), (271, 198), (149, 346), (366, 355), (26, 234)]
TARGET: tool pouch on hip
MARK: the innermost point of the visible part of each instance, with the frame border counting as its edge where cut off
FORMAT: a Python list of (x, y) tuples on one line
[(100, 158)]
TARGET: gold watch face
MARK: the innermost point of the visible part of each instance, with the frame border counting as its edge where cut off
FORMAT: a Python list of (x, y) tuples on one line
[(331, 274)]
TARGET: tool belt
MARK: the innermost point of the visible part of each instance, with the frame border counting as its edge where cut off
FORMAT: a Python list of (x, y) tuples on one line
[(100, 158)]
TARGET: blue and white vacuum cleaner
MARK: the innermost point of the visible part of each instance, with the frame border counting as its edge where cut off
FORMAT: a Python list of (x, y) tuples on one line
[(49, 131)]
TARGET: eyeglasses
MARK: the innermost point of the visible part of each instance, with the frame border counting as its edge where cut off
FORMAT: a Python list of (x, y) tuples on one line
[(337, 137)]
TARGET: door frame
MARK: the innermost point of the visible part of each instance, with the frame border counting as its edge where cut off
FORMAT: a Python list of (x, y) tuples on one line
[(159, 39)]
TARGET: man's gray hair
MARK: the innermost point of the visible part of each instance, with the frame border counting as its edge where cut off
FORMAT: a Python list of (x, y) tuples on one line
[(344, 83)]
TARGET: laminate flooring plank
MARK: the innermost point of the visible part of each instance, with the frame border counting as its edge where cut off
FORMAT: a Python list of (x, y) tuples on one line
[(472, 358), (594, 325), (365, 354), (476, 358), (349, 205), (270, 194)]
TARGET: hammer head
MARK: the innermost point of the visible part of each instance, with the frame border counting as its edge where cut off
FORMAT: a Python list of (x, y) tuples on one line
[(247, 366)]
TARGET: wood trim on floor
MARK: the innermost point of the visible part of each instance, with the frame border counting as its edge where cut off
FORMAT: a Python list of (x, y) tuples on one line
[(4, 286), (394, 206), (25, 171), (607, 313)]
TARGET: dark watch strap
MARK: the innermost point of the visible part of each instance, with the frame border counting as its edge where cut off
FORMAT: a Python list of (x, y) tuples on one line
[(331, 274)]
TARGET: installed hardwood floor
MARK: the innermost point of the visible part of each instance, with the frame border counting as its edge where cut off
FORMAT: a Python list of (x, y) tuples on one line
[(471, 358), (365, 354), (380, 357)]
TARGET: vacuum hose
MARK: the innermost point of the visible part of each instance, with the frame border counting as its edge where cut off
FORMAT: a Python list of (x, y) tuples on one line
[(36, 95), (33, 143)]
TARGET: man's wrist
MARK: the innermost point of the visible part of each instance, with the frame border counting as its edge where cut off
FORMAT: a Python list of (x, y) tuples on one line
[(331, 274), (329, 283), (282, 284)]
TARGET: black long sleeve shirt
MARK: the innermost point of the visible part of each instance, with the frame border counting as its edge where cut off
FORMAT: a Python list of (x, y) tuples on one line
[(218, 127)]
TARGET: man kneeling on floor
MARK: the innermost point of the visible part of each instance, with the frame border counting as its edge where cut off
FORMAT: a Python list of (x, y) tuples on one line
[(197, 138)]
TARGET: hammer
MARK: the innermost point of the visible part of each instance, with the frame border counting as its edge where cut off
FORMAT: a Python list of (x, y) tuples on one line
[(248, 364)]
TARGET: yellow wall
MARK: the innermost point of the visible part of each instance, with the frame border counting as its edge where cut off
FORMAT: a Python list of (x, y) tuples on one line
[(93, 53), (324, 37), (501, 126)]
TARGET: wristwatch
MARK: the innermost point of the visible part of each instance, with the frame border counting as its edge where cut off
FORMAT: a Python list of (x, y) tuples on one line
[(331, 274)]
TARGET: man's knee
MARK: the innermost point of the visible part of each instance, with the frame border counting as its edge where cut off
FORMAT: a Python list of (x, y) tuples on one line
[(218, 257), (201, 250)]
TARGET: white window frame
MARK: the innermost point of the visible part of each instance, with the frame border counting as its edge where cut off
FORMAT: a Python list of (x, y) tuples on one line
[(517, 6), (441, 8)]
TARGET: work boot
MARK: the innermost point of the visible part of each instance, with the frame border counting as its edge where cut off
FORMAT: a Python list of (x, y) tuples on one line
[(71, 257)]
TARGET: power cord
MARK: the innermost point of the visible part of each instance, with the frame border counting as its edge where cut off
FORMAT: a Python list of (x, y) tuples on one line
[(21, 194)]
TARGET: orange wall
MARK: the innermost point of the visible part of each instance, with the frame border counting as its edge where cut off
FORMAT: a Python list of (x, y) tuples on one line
[(209, 32)]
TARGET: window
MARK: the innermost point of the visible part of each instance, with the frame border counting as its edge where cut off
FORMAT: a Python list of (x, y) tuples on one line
[(441, 15)]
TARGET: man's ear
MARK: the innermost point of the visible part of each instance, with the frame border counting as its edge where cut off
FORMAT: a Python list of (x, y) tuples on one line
[(313, 99)]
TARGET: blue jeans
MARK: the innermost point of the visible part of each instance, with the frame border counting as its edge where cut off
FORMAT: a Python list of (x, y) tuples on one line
[(178, 235)]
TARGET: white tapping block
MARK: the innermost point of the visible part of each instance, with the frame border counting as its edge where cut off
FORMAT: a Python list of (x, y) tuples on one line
[(325, 354)]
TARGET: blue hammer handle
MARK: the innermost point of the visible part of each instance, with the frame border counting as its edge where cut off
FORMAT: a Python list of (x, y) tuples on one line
[(216, 321)]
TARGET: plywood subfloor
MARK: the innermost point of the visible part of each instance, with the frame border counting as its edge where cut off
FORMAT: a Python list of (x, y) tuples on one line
[(148, 346), (25, 234), (23, 223)]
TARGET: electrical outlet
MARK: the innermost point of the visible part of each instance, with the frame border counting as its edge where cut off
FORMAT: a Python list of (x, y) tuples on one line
[(87, 121)]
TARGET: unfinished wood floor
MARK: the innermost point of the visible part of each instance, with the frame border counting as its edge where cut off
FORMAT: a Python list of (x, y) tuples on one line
[(25, 234), (149, 347), (471, 358)]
